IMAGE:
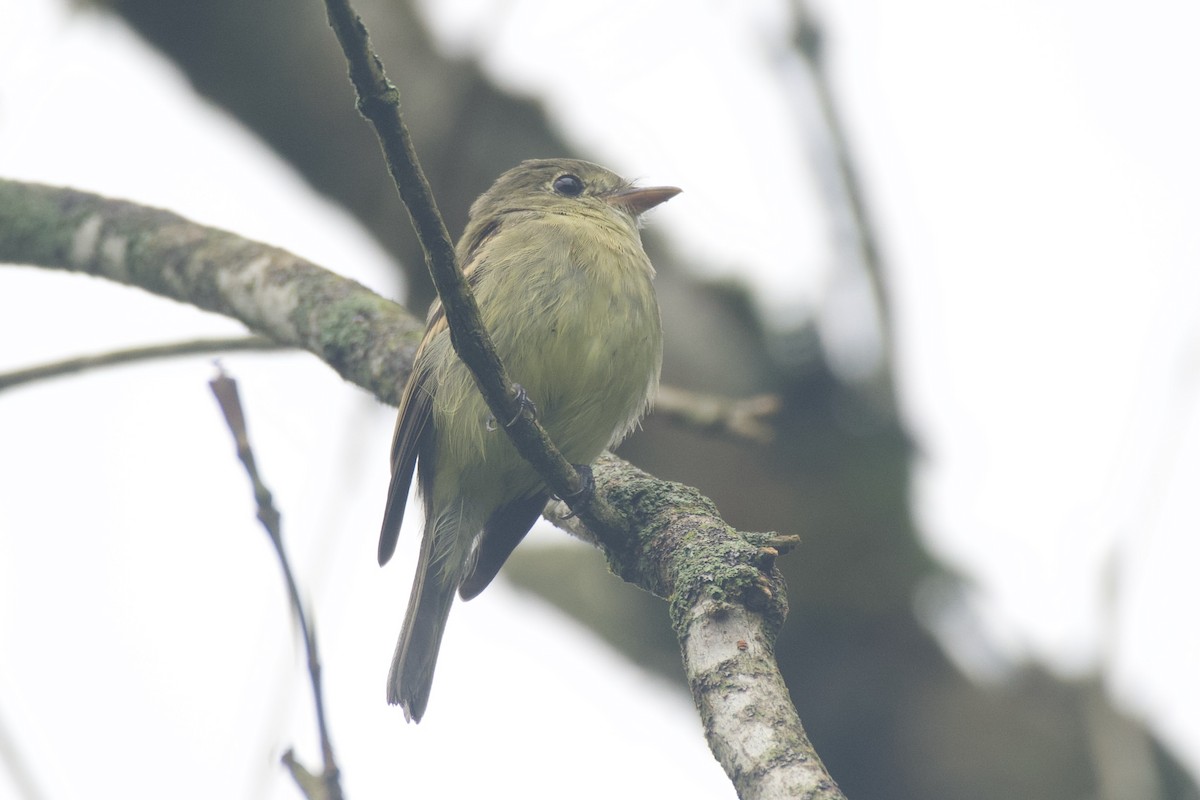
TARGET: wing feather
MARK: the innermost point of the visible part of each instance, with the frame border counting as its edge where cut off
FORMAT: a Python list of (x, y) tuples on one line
[(413, 427), (502, 533)]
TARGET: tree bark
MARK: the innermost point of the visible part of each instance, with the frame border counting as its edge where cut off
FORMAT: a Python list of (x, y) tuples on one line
[(726, 594)]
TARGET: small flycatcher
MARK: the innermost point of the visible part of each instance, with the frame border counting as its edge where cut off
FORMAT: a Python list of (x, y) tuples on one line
[(553, 255)]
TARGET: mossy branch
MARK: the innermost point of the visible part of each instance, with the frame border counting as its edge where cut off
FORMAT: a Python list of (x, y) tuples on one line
[(726, 595)]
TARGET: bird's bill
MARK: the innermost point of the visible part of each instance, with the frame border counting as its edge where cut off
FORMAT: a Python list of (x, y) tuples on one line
[(640, 199)]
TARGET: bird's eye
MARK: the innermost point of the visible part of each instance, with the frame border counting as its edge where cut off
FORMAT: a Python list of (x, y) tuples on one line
[(568, 185)]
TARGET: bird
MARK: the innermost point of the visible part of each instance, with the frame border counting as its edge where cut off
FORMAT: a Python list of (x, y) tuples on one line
[(553, 254)]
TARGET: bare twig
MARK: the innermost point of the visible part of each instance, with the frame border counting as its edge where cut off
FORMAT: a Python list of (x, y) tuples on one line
[(327, 786), (379, 102), (740, 417), (19, 772), (313, 787), (851, 200), (70, 366)]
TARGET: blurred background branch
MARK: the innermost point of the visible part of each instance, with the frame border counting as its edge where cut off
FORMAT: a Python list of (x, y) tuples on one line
[(131, 355)]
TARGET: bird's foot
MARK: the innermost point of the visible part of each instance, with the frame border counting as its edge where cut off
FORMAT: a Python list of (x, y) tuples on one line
[(587, 488), (524, 404)]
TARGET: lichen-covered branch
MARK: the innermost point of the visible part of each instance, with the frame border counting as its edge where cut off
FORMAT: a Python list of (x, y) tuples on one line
[(727, 598), (367, 339), (727, 602)]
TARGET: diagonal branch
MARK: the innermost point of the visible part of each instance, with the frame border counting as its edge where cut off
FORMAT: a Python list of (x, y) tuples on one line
[(327, 785), (379, 102)]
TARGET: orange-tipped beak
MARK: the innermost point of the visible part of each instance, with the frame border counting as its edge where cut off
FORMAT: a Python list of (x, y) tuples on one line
[(638, 200)]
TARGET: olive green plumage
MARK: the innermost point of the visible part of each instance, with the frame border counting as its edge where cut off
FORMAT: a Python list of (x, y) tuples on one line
[(553, 255)]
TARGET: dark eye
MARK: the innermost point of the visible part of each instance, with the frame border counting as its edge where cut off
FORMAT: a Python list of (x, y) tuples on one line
[(569, 185)]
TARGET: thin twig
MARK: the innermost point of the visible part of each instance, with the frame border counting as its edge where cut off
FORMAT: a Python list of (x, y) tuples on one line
[(226, 391), (19, 772), (739, 417), (70, 366), (379, 102), (314, 787), (809, 42)]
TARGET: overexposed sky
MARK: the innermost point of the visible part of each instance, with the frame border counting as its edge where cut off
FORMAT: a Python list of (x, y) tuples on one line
[(1033, 169)]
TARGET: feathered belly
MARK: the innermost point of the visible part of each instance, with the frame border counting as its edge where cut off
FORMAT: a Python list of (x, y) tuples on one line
[(589, 361), (593, 379)]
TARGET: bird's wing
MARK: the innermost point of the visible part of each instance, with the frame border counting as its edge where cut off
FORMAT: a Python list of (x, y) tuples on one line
[(502, 533), (413, 427)]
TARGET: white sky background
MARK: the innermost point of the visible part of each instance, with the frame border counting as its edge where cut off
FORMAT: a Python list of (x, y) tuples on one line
[(1034, 170)]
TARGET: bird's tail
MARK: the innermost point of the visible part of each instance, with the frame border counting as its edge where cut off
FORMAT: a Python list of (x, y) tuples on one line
[(444, 550)]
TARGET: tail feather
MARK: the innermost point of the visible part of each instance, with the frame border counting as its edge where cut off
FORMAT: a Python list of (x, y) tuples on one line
[(444, 550), (411, 676)]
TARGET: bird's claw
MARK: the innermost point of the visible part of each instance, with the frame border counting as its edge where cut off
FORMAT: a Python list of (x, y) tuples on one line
[(524, 404), (587, 488)]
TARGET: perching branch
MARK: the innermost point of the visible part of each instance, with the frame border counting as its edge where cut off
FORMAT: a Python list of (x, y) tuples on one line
[(727, 599), (664, 548), (367, 339), (727, 604)]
